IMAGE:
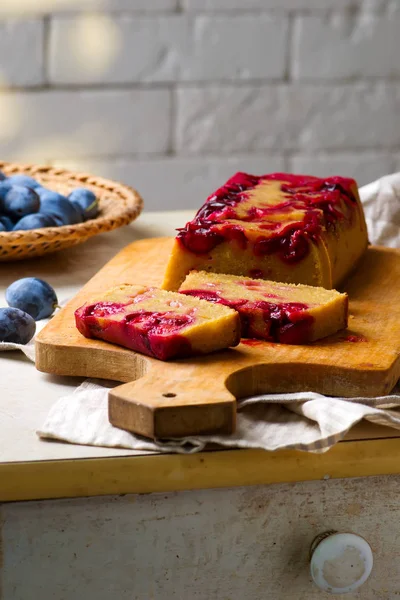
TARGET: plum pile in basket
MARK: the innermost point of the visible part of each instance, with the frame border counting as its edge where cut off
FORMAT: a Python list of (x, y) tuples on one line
[(26, 204)]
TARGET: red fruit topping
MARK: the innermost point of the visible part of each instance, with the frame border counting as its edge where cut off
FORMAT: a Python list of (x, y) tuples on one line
[(104, 309), (152, 333), (320, 199), (287, 322)]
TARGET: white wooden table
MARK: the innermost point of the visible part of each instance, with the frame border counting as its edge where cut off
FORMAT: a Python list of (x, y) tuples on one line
[(203, 526)]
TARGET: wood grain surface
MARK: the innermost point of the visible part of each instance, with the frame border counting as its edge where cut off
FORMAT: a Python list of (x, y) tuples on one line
[(198, 395)]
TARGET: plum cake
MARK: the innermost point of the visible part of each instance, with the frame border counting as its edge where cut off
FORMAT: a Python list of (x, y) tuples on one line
[(280, 227), (276, 312), (161, 324)]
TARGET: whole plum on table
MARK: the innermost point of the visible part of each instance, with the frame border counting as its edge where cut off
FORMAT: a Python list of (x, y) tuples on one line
[(16, 326), (32, 295)]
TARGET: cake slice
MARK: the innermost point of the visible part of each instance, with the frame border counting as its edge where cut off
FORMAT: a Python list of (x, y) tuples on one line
[(158, 323), (281, 227), (277, 312)]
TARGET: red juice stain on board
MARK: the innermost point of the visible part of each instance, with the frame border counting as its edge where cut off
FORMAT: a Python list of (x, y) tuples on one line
[(251, 342), (355, 338)]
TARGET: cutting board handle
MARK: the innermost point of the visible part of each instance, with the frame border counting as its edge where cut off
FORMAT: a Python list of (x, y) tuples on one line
[(168, 401)]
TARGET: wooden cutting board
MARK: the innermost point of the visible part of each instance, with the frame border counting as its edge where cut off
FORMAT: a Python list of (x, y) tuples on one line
[(198, 395)]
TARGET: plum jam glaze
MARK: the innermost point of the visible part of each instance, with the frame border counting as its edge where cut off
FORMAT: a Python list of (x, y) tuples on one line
[(286, 322), (153, 333), (218, 219)]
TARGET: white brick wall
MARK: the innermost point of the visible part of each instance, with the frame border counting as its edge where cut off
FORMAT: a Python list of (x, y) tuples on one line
[(344, 47), (173, 96), (64, 124), (170, 48), (21, 52), (288, 117)]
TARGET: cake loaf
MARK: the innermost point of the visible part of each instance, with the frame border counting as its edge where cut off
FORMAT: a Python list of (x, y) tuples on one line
[(276, 312), (161, 324), (281, 227)]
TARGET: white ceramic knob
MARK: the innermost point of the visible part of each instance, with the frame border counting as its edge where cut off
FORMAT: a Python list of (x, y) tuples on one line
[(340, 562)]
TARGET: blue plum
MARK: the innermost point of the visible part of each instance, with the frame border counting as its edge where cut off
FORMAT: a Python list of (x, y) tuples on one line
[(63, 211), (2, 176), (80, 211), (20, 201), (46, 195), (34, 221), (86, 200), (24, 181), (43, 191), (2, 227), (4, 189), (32, 295), (7, 223), (16, 326)]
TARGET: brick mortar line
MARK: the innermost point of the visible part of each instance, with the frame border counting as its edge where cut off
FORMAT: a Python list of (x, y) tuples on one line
[(286, 161), (195, 13), (256, 84), (182, 10), (365, 153), (155, 157), (236, 12), (268, 82), (46, 50), (393, 162), (340, 152), (298, 151), (240, 12), (173, 124), (289, 49), (49, 87), (286, 154), (179, 8), (27, 16)]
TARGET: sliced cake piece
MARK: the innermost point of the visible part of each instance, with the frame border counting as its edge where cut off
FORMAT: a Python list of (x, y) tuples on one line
[(278, 312), (281, 227), (158, 323)]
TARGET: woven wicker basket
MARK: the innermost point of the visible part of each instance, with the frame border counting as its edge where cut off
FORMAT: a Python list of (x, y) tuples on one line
[(119, 205)]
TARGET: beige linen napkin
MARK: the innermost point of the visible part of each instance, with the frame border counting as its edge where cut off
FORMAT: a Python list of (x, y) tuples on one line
[(305, 421)]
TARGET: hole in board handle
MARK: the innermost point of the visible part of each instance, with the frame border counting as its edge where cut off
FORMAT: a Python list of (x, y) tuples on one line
[(169, 395)]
